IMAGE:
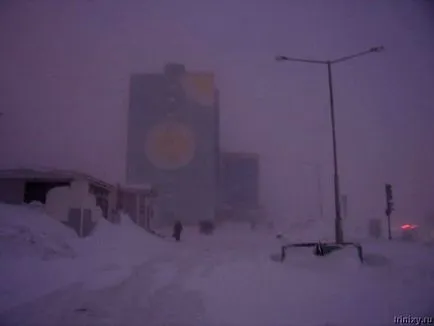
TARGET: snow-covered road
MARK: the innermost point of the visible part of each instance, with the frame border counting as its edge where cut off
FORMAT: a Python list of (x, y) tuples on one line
[(189, 285), (156, 293), (121, 275), (152, 295)]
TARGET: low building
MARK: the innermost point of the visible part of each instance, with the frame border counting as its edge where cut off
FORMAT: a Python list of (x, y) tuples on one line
[(75, 199)]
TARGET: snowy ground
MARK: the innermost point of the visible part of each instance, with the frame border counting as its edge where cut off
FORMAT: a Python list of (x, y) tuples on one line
[(123, 276)]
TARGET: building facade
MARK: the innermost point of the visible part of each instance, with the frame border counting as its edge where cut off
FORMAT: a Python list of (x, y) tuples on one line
[(239, 183), (239, 179), (173, 141)]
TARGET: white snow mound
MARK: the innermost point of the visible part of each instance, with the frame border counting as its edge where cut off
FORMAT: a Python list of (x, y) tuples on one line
[(27, 231)]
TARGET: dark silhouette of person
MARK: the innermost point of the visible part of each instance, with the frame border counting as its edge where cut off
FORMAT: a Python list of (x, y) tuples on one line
[(177, 230)]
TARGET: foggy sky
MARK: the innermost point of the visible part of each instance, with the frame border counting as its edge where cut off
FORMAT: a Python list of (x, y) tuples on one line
[(65, 69)]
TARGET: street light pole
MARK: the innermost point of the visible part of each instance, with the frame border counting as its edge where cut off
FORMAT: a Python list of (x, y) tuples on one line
[(339, 236)]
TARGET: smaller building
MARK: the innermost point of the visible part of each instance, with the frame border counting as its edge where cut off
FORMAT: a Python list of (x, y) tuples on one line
[(75, 199), (239, 187), (239, 179)]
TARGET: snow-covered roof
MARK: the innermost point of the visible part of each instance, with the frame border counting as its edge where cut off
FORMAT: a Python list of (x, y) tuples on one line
[(35, 173), (50, 174)]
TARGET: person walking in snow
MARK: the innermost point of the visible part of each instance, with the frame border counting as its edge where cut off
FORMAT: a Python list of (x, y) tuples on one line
[(177, 230)]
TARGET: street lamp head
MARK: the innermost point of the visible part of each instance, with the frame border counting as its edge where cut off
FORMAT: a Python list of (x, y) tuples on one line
[(377, 49), (281, 58)]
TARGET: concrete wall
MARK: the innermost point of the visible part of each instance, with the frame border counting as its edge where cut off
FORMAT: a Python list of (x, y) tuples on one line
[(61, 199), (12, 191)]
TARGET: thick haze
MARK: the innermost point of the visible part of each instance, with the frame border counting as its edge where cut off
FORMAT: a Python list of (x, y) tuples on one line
[(65, 69)]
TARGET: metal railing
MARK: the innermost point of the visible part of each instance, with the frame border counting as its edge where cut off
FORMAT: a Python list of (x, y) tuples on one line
[(325, 248)]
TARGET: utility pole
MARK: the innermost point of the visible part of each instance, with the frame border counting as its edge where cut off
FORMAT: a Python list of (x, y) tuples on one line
[(390, 207), (339, 237)]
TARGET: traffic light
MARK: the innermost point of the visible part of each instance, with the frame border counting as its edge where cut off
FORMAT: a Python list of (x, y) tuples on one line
[(389, 208), (389, 199), (389, 194)]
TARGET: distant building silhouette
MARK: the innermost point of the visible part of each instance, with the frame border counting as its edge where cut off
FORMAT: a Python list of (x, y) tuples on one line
[(173, 141)]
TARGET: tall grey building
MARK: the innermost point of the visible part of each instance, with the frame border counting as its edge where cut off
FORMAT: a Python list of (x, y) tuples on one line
[(173, 141)]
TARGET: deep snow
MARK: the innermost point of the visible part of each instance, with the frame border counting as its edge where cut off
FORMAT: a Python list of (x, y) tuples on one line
[(39, 254), (121, 275)]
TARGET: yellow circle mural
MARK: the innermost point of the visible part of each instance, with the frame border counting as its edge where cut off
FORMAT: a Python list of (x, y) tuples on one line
[(170, 145)]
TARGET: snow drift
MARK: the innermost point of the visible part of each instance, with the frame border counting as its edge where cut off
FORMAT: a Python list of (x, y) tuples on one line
[(39, 254), (26, 231)]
